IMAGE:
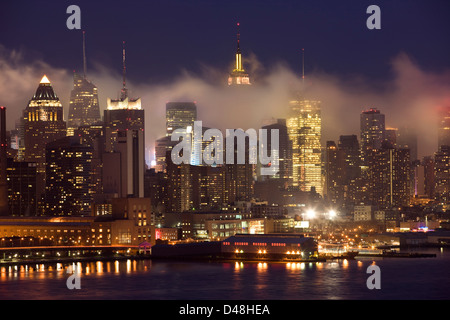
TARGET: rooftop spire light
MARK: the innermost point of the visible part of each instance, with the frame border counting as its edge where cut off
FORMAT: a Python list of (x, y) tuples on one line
[(45, 79)]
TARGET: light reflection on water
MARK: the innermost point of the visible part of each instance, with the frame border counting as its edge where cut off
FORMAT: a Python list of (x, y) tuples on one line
[(425, 278)]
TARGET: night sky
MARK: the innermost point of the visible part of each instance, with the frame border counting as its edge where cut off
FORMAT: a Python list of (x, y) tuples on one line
[(385, 68), (164, 37)]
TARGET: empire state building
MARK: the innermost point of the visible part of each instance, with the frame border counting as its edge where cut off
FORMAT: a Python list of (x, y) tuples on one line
[(238, 76)]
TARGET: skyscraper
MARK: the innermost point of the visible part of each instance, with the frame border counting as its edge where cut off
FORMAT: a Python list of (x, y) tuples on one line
[(304, 128), (123, 168), (372, 125), (334, 173), (83, 106), (3, 164), (238, 76), (390, 174), (444, 127), (180, 115), (43, 123), (407, 139), (68, 190), (442, 174), (121, 114), (284, 150), (350, 146), (22, 190)]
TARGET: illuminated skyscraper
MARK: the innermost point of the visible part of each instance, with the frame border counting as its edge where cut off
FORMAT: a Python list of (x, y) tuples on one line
[(43, 123), (68, 190), (444, 127), (180, 115), (389, 179), (238, 76), (442, 174), (122, 114), (304, 128), (372, 125), (3, 164), (83, 106)]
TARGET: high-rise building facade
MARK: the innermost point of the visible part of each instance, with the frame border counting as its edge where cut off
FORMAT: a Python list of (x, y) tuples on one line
[(334, 173), (305, 128), (350, 146), (43, 123), (122, 114), (84, 107), (372, 125), (68, 190), (444, 127), (389, 179), (407, 139), (4, 208), (22, 192), (442, 174), (284, 152), (429, 176), (180, 115), (124, 168)]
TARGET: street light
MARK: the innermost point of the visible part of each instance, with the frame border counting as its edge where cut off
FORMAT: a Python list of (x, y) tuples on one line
[(332, 214), (310, 214)]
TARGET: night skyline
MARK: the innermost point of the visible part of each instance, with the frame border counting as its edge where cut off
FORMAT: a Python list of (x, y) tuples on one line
[(239, 151), (185, 51)]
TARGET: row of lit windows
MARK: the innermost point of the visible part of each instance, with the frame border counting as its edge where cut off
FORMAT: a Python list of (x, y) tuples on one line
[(260, 244)]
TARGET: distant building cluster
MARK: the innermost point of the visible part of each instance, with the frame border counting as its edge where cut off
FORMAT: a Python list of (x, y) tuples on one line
[(85, 180)]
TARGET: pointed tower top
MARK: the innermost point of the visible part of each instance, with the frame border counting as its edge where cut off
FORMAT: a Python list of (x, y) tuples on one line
[(124, 93), (45, 80), (84, 55)]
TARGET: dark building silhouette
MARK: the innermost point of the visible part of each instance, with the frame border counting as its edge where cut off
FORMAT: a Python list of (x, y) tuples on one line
[(123, 168), (372, 125), (68, 190), (22, 191), (3, 164), (284, 152)]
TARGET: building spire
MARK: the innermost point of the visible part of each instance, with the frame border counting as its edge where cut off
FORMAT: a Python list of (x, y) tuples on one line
[(303, 67), (124, 70), (238, 39), (84, 55), (238, 51)]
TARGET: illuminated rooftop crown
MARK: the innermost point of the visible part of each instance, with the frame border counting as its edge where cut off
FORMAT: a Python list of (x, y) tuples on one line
[(45, 91)]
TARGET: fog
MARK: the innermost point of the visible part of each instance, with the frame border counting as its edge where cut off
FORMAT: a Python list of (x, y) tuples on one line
[(411, 97)]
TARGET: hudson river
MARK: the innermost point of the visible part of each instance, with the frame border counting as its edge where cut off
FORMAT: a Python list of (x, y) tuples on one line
[(400, 278)]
